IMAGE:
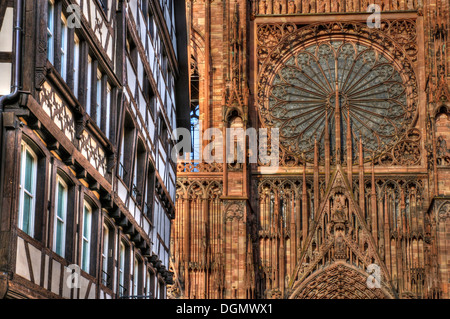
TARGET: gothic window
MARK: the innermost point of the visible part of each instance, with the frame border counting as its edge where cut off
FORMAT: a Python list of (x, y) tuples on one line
[(337, 81), (195, 124), (195, 110)]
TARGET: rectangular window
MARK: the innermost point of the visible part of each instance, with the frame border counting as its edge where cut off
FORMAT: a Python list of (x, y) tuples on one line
[(136, 277), (108, 109), (148, 291), (105, 275), (86, 237), (132, 51), (150, 192), (122, 289), (98, 100), (50, 30), (104, 5), (27, 189), (122, 171), (135, 177), (59, 236), (76, 65), (162, 291), (63, 49), (89, 83)]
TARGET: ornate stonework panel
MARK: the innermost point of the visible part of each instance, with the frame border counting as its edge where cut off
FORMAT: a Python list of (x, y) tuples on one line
[(312, 77), (370, 90), (234, 211), (283, 7), (444, 211), (58, 111), (198, 167), (340, 281)]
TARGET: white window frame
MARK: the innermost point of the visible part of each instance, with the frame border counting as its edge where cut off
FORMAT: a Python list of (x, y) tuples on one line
[(63, 48), (136, 276), (86, 237), (26, 148), (105, 253), (59, 180), (50, 31), (122, 256)]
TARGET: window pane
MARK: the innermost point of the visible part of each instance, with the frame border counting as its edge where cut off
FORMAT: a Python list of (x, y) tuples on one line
[(89, 83), (63, 48), (29, 162), (60, 218), (105, 275), (26, 217), (61, 201), (50, 31), (59, 237), (99, 102), (108, 109), (76, 65), (85, 257), (86, 224)]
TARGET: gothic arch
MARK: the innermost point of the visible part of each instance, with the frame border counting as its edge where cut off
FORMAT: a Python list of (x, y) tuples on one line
[(340, 280), (196, 190)]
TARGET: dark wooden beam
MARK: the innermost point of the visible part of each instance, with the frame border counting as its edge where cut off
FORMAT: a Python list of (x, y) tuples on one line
[(53, 146), (81, 173), (95, 186), (129, 230), (115, 213), (123, 221), (136, 237)]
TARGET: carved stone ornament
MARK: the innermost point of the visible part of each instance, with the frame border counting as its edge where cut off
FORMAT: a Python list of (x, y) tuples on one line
[(235, 211), (444, 211), (308, 74)]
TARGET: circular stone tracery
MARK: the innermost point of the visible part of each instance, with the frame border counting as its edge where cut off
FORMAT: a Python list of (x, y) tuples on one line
[(353, 78)]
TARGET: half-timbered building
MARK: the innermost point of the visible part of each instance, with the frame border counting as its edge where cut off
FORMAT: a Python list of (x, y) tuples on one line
[(91, 91)]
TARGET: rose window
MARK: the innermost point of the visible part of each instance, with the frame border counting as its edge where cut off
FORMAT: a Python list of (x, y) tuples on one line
[(337, 81)]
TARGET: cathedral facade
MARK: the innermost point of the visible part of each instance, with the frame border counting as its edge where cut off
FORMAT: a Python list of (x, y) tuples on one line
[(359, 205)]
